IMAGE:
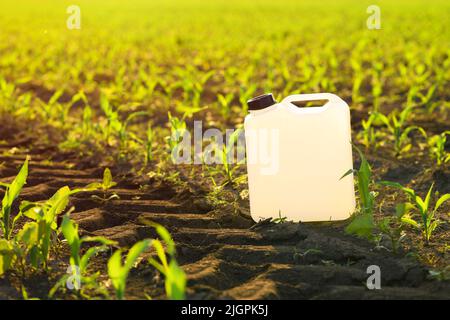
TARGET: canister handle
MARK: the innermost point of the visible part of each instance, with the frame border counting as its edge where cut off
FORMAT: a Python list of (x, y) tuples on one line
[(312, 97)]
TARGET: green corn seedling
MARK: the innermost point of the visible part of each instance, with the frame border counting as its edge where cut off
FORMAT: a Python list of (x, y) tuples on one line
[(225, 104), (428, 221), (113, 123), (369, 134), (149, 146), (106, 184), (38, 235), (392, 227), (436, 144), (123, 132), (118, 271), (396, 125), (11, 193), (175, 278), (80, 262), (177, 131), (362, 223)]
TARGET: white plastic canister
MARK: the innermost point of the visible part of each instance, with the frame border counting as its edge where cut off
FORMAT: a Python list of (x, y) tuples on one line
[(296, 157)]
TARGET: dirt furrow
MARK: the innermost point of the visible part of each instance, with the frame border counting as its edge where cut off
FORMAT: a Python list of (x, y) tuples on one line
[(224, 259)]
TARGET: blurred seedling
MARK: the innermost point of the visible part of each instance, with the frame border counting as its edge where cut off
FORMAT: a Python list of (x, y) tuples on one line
[(225, 104), (427, 222), (369, 135), (396, 124), (436, 144), (149, 146), (177, 131), (105, 186)]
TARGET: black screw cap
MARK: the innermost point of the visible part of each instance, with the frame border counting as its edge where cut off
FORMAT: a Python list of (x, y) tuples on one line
[(261, 102)]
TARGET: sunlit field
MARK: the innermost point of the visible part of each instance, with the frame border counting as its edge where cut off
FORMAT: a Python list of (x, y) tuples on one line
[(90, 116)]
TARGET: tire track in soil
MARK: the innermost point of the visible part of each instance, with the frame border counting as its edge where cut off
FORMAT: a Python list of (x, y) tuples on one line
[(225, 258)]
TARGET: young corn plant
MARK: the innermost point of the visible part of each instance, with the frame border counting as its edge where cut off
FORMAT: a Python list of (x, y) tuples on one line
[(369, 134), (396, 124), (225, 104), (11, 193), (175, 278), (113, 124), (177, 131), (436, 144), (227, 168), (149, 146), (123, 133), (118, 272), (105, 186), (362, 223), (393, 228), (427, 222), (80, 262), (40, 233)]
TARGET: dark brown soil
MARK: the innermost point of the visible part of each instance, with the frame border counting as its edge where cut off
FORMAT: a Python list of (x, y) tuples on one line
[(224, 256)]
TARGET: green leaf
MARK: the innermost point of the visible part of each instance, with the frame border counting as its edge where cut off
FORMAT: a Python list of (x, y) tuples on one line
[(29, 234), (408, 191), (165, 236), (54, 98), (84, 261), (362, 225), (402, 209), (441, 200), (58, 202), (427, 198), (69, 230), (19, 181), (350, 171), (136, 250), (6, 255), (176, 282), (161, 254), (100, 239), (408, 220), (108, 179), (4, 185)]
